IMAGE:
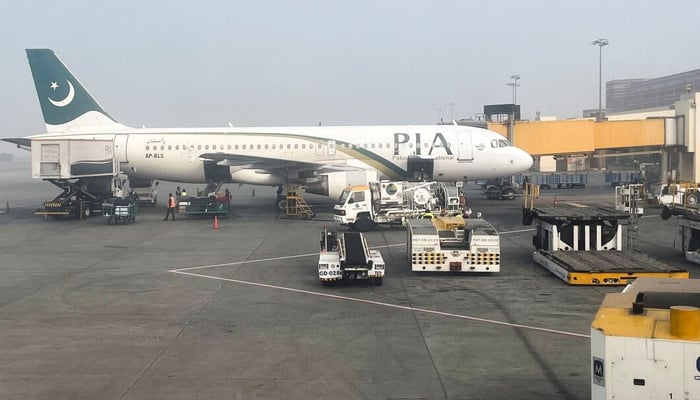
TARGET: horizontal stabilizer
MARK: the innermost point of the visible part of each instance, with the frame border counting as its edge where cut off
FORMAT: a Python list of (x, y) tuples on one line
[(22, 143)]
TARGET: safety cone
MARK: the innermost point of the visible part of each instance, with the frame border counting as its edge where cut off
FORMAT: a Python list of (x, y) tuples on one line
[(216, 222)]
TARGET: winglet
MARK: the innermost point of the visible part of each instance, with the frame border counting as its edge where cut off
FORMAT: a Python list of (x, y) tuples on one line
[(65, 103)]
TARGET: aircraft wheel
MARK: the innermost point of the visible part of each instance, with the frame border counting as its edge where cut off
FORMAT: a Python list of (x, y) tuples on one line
[(86, 212), (378, 281), (666, 213), (281, 204)]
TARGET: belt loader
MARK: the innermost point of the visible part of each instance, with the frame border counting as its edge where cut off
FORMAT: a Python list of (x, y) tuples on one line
[(346, 255)]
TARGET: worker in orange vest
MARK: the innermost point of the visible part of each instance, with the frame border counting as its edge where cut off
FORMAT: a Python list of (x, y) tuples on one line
[(172, 203)]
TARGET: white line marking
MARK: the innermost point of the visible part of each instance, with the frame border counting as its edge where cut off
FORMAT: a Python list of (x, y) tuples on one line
[(518, 231), (377, 303)]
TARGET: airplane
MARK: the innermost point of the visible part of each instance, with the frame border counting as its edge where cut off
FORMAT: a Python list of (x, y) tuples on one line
[(325, 159)]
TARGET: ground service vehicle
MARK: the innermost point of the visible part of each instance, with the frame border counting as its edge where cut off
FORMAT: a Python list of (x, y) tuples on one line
[(121, 210), (391, 202), (453, 244), (346, 255)]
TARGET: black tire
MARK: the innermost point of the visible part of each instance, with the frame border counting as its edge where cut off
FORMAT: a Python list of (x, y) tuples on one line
[(281, 204), (326, 283), (666, 213), (378, 281), (692, 199), (364, 224), (86, 212), (508, 194), (527, 217)]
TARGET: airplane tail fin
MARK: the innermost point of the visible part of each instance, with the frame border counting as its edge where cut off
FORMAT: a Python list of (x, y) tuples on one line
[(65, 103)]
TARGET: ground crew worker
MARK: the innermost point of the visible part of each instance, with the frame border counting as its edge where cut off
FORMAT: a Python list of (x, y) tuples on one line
[(172, 203)]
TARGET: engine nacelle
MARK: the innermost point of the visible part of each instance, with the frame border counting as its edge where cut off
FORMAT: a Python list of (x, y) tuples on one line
[(333, 183)]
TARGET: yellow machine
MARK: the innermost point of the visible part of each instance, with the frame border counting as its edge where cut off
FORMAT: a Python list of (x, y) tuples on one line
[(645, 342)]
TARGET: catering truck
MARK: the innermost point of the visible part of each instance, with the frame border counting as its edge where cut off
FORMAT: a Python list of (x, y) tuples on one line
[(362, 207)]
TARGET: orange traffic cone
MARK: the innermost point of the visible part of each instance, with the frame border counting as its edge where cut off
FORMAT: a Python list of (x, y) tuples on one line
[(216, 222)]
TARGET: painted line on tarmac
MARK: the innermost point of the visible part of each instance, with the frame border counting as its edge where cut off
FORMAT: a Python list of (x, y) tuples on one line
[(518, 231), (388, 305)]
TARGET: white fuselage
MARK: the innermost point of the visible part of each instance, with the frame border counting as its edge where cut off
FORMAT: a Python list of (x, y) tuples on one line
[(268, 156)]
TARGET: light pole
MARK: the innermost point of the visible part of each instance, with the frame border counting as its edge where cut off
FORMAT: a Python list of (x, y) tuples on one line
[(514, 84), (600, 43)]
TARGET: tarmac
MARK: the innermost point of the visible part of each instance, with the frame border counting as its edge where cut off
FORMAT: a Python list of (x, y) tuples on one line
[(179, 310)]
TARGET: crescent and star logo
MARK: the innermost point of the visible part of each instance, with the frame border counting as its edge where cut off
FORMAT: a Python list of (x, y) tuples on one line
[(66, 100)]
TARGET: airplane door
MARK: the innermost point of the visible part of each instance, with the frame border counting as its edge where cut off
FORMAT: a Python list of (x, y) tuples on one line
[(120, 144), (319, 148), (465, 150), (331, 147)]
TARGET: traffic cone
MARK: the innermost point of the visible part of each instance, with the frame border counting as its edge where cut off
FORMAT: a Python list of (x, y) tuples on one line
[(216, 222)]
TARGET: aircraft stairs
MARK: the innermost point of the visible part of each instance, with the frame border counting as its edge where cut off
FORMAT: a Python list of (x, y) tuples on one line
[(296, 206)]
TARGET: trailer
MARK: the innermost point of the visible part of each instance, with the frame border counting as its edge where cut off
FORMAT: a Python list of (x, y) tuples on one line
[(215, 204), (453, 244), (645, 342), (584, 246), (346, 255), (362, 207), (616, 178), (560, 180), (120, 210)]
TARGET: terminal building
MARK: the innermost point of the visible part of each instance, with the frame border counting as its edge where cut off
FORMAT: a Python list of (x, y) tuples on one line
[(640, 94)]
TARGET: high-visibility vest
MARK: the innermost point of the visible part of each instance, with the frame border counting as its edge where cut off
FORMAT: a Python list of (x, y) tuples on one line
[(171, 202)]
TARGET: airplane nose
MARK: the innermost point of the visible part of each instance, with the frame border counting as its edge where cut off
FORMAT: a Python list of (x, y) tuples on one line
[(522, 161)]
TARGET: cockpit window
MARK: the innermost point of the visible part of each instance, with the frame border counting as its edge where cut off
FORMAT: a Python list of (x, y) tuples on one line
[(494, 143), (503, 143)]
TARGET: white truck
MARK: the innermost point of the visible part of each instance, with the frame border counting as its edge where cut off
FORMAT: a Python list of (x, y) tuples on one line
[(362, 207), (453, 244), (346, 255)]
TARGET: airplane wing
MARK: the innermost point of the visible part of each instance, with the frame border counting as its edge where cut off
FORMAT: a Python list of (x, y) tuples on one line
[(272, 164), (22, 143)]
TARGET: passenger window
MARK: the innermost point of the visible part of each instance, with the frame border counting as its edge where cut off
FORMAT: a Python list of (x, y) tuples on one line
[(303, 146), (235, 147), (199, 147), (265, 147), (162, 147), (206, 147), (296, 145), (221, 147), (259, 147), (170, 147), (243, 147), (228, 147), (148, 147)]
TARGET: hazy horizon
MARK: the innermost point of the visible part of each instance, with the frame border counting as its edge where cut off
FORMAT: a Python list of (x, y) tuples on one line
[(164, 64)]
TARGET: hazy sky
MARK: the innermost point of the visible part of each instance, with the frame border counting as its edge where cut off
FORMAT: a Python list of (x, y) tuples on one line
[(205, 63)]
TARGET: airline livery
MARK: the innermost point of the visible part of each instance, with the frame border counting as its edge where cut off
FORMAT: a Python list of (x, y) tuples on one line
[(323, 158)]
